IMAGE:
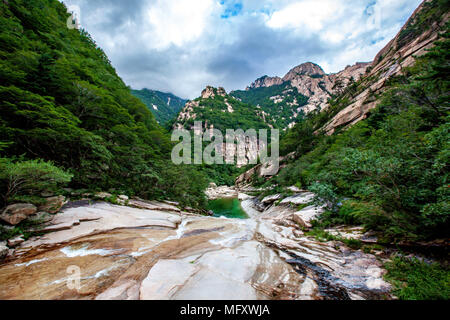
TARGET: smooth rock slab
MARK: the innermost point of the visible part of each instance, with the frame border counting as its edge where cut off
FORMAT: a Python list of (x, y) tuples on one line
[(247, 272)]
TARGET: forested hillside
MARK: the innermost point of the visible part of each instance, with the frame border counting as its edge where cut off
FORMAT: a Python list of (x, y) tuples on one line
[(280, 102), (215, 107), (61, 101), (389, 172), (164, 106)]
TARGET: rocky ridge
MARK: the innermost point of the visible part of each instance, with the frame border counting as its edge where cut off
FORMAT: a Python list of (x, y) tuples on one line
[(391, 61), (311, 81), (193, 112)]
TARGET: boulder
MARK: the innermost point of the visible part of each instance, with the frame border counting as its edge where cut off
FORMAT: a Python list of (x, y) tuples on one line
[(103, 195), (16, 213), (306, 216), (295, 189), (123, 197), (53, 204), (212, 185), (271, 199), (14, 242), (3, 250)]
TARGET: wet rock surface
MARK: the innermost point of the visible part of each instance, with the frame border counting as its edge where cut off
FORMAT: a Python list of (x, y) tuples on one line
[(155, 251)]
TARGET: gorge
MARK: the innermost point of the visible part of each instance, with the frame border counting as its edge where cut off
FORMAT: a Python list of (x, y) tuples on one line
[(94, 208)]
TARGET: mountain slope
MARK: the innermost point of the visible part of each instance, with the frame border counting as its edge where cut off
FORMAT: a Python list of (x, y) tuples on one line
[(413, 40), (164, 106), (303, 89), (215, 108), (281, 102), (388, 171)]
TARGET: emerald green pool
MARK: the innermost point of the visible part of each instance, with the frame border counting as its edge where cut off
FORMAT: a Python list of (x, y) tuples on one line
[(230, 208)]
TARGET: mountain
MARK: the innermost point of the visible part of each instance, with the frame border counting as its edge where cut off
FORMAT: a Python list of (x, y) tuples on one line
[(413, 40), (63, 102), (164, 106), (215, 108), (377, 154), (303, 89), (281, 102)]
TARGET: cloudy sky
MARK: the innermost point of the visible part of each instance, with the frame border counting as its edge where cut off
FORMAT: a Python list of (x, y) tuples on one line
[(180, 46)]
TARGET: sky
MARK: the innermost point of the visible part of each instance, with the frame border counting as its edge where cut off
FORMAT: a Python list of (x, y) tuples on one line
[(181, 46)]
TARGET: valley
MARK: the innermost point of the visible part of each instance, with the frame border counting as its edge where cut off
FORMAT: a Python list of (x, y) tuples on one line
[(93, 207)]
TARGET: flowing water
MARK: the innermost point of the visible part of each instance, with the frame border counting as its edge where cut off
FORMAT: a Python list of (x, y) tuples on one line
[(230, 208)]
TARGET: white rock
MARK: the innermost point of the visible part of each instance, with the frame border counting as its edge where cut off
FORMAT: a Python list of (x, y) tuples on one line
[(302, 198), (3, 250), (103, 195), (305, 216), (271, 199), (15, 241), (243, 197)]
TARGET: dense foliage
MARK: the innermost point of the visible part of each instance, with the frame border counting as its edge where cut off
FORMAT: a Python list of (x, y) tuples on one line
[(389, 172), (30, 178), (62, 101), (164, 106), (279, 102), (418, 280), (215, 111)]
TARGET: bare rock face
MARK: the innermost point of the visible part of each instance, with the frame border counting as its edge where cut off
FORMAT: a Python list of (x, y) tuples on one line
[(16, 213), (210, 92), (308, 68), (222, 192), (311, 81), (262, 170), (390, 61), (265, 82), (186, 114)]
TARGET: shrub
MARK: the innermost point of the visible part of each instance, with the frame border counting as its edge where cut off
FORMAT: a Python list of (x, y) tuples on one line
[(416, 280), (30, 177)]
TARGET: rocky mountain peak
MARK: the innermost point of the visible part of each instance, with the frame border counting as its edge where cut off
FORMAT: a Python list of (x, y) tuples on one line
[(265, 81), (308, 68), (211, 92)]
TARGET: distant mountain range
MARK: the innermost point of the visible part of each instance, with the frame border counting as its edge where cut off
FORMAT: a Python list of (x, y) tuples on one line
[(165, 106), (270, 101)]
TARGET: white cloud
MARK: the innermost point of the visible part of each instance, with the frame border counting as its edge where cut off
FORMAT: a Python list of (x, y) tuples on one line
[(183, 45), (178, 22), (309, 14)]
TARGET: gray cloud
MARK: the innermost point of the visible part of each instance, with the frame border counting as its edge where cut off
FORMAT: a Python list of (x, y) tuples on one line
[(182, 45)]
